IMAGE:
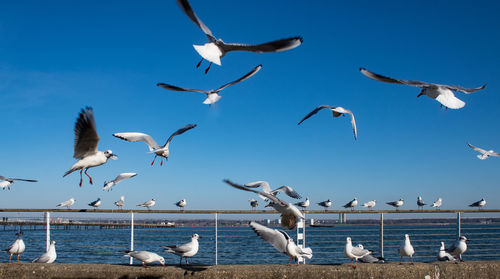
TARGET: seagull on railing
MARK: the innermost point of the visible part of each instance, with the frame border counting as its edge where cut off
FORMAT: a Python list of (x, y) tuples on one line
[(445, 256), (396, 204), (17, 247), (95, 203), (459, 247), (351, 204), (50, 256), (437, 204), (181, 204), (266, 188), (67, 203), (120, 203), (354, 253), (484, 154), (144, 257), (303, 204), (325, 204), (420, 203), (186, 250), (215, 49), (161, 151), (108, 185), (148, 204), (478, 204), (212, 95), (5, 182), (406, 249), (85, 147), (253, 203), (370, 204), (336, 111)]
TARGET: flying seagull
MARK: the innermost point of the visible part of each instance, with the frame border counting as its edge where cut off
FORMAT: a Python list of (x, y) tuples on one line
[(406, 249), (145, 257), (108, 185), (266, 188), (478, 204), (85, 148), (161, 151), (439, 92), (215, 49), (458, 248), (148, 204), (95, 204), (354, 253), (370, 204), (50, 256), (420, 203), (17, 247), (484, 154), (121, 202), (212, 95), (351, 204), (325, 204), (181, 204), (396, 204), (186, 250), (336, 111), (5, 182), (67, 203)]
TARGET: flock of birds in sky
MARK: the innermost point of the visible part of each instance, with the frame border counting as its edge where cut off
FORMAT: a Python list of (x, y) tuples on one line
[(88, 156)]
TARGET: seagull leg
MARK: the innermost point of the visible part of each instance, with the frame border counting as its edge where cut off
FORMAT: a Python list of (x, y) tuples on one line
[(207, 69), (18, 259), (290, 262), (161, 161), (81, 178), (180, 262), (199, 63), (186, 260), (400, 259), (88, 176), (154, 160), (145, 266), (411, 261), (10, 258)]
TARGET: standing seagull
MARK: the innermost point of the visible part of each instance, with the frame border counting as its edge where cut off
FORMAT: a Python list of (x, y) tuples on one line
[(17, 247), (370, 204), (336, 111), (108, 185), (95, 203), (148, 204), (50, 256), (406, 249), (161, 151), (145, 257), (212, 95), (280, 240), (478, 204), (215, 49), (85, 148), (445, 256), (185, 250), (5, 182), (326, 204), (459, 247), (181, 204), (67, 203), (354, 253), (484, 154), (253, 203), (420, 203), (437, 204), (351, 204), (303, 204), (120, 203), (439, 92), (396, 204)]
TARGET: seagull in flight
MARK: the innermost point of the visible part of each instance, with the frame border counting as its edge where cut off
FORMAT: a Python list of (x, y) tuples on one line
[(439, 92), (85, 148), (5, 182), (108, 185), (212, 95), (67, 203), (215, 49), (484, 154), (336, 111), (266, 188), (161, 151), (478, 204)]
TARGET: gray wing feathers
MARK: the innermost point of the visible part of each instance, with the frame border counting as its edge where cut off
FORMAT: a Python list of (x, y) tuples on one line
[(248, 75), (273, 46), (179, 132), (186, 7), (134, 137), (278, 239), (86, 137), (287, 190), (176, 88), (314, 112)]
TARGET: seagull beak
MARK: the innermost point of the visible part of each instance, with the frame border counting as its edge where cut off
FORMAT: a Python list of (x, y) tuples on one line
[(114, 157), (200, 236)]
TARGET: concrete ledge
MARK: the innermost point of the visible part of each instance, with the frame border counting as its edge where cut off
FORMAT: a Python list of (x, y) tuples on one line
[(481, 269)]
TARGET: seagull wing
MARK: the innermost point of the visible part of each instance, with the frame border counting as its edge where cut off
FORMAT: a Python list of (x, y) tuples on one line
[(263, 184), (474, 204), (480, 150), (179, 132), (176, 88), (393, 80), (123, 176), (180, 248), (274, 46), (267, 195), (184, 4), (314, 112), (353, 121), (20, 179), (464, 90), (250, 74), (86, 137), (287, 190), (360, 252), (277, 238), (133, 137)]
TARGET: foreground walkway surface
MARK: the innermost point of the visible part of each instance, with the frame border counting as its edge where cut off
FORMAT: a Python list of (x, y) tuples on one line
[(482, 269)]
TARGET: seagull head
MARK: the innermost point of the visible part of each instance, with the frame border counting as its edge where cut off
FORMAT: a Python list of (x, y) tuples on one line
[(407, 236), (462, 238), (348, 240), (442, 246), (195, 236), (109, 154)]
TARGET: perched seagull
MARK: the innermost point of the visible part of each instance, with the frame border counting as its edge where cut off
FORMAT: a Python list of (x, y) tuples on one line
[(120, 203), (145, 257), (148, 204), (478, 204), (354, 253), (5, 182), (396, 204), (337, 111), (280, 240), (48, 257), (439, 92), (266, 188), (67, 203), (420, 203), (108, 185), (186, 250), (253, 203), (289, 213), (437, 204), (326, 204), (303, 204), (212, 95), (484, 154), (85, 148), (161, 151), (17, 247), (406, 249), (351, 204), (445, 256), (370, 204), (458, 248), (95, 203), (369, 258), (181, 204), (215, 49)]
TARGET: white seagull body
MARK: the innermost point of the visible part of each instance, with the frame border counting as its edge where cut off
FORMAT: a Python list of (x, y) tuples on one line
[(437, 204), (148, 204), (396, 204), (458, 248), (354, 253), (420, 203), (439, 92), (145, 257), (67, 203), (370, 204), (17, 247), (484, 154), (325, 204), (445, 256), (478, 204), (108, 185), (120, 203), (158, 150), (266, 188), (406, 249), (336, 111), (50, 256), (85, 148), (95, 204), (181, 204), (5, 182), (304, 204), (186, 250), (351, 204)]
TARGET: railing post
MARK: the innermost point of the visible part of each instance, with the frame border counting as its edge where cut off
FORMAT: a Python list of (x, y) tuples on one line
[(47, 221), (301, 237), (382, 235), (131, 235), (459, 225), (215, 238)]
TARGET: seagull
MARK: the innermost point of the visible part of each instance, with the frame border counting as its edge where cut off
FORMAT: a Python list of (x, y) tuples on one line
[(370, 204), (145, 257), (85, 148), (215, 49), (5, 182), (420, 203), (212, 95), (354, 253), (478, 204), (95, 203), (326, 204), (181, 204), (289, 213), (280, 240), (185, 250), (351, 204), (303, 204), (406, 249), (336, 111), (266, 188), (67, 203), (148, 204), (484, 154), (161, 151), (369, 258), (48, 257), (17, 247), (437, 204), (439, 92), (108, 185), (120, 203), (253, 203), (445, 256), (458, 248), (396, 204)]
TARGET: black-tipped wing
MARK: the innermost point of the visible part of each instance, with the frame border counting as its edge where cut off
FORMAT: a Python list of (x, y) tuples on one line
[(314, 112), (186, 7), (176, 88), (274, 46), (16, 179), (267, 195), (86, 137), (464, 90), (393, 80), (250, 74), (480, 150), (277, 238), (180, 131), (289, 191)]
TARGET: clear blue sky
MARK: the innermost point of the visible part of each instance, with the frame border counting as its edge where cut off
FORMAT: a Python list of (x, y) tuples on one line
[(57, 57)]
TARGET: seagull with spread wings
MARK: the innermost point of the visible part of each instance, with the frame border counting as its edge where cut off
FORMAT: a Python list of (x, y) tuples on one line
[(336, 111), (108, 185), (215, 49), (484, 154), (266, 188), (5, 182)]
